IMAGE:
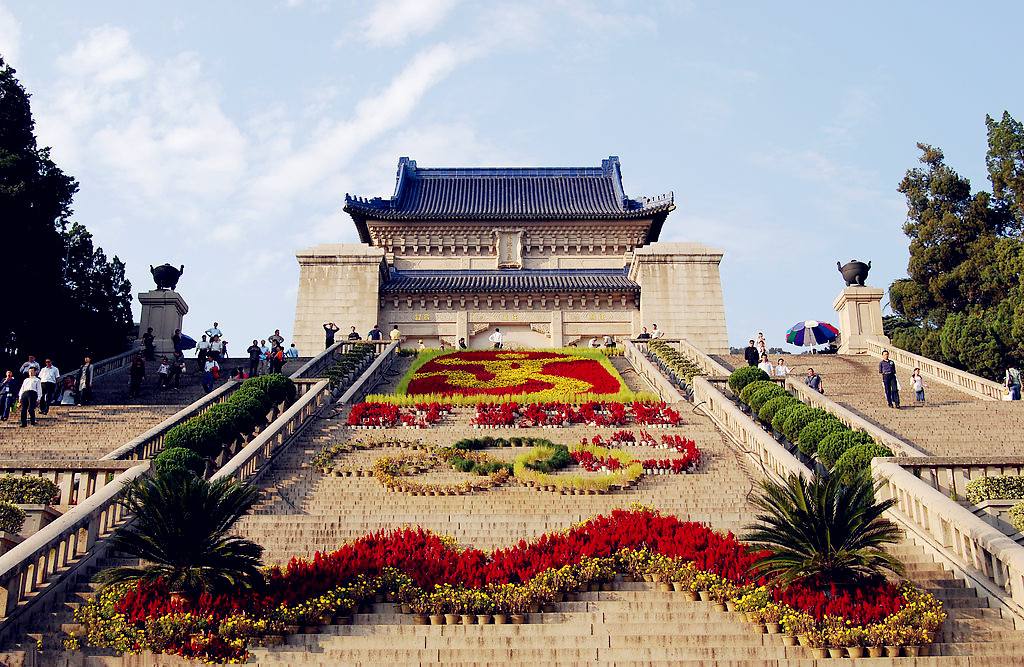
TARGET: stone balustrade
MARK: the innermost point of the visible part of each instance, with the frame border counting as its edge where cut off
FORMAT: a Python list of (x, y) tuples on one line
[(949, 475), (102, 367), (35, 569), (993, 561), (316, 366), (372, 375), (935, 371), (648, 371), (76, 480)]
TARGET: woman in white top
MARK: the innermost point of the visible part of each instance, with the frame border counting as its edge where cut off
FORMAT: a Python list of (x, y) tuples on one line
[(766, 365), (782, 370)]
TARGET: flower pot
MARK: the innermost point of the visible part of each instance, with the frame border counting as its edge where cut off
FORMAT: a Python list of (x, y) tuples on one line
[(855, 651), (876, 651), (912, 651), (801, 640), (406, 609), (271, 640), (343, 620), (892, 651), (834, 652), (518, 619), (789, 640), (500, 619), (718, 606), (690, 596), (773, 628), (704, 596), (468, 619), (730, 605), (483, 619), (534, 608), (291, 629), (436, 619), (451, 619), (819, 652), (664, 586), (420, 619), (678, 586)]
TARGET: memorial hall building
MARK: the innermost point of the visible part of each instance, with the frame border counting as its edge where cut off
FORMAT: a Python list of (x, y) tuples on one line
[(552, 256)]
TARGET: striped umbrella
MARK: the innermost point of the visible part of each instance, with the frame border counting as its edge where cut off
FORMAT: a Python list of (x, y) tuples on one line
[(810, 333)]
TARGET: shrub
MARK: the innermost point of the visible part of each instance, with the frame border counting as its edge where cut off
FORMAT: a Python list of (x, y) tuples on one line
[(1006, 487), (800, 418), (28, 490), (783, 413), (1017, 516), (814, 432), (773, 405), (762, 396), (179, 458), (857, 459), (741, 377), (754, 386), (11, 518), (833, 446)]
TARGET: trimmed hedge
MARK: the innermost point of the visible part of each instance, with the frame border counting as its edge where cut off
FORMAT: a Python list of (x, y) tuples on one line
[(835, 445), (857, 459), (762, 396), (28, 490), (784, 413), (240, 414), (487, 441), (754, 386), (11, 518), (348, 362), (816, 431), (1017, 516), (179, 458), (741, 377), (773, 405), (1003, 487), (800, 418)]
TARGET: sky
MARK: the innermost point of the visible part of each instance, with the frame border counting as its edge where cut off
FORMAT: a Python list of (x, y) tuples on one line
[(224, 136)]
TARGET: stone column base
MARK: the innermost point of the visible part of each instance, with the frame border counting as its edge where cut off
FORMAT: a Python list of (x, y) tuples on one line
[(860, 318), (163, 310)]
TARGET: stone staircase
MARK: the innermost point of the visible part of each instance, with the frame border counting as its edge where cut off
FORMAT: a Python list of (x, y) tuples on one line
[(948, 423)]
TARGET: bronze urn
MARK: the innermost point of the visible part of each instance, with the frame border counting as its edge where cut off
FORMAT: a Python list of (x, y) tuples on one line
[(854, 272)]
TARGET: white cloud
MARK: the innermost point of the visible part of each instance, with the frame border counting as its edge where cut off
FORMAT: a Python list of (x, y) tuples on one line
[(106, 56), (10, 36), (391, 22)]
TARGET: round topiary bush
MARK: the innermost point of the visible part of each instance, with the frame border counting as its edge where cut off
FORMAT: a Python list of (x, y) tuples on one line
[(741, 377), (800, 418), (749, 390), (11, 518), (857, 459), (773, 405), (816, 431), (779, 420), (762, 396), (835, 445), (179, 458), (28, 490)]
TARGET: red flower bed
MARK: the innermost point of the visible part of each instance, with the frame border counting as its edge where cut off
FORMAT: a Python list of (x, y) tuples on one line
[(863, 605), (656, 414), (373, 414)]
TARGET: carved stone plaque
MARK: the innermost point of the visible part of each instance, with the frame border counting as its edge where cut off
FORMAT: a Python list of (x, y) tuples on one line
[(510, 248)]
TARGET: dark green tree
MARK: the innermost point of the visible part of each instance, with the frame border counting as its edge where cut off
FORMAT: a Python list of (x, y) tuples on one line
[(75, 300)]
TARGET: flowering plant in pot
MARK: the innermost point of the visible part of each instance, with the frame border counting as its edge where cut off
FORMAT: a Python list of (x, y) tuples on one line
[(797, 624)]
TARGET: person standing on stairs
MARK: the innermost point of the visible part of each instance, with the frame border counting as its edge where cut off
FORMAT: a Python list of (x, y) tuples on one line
[(8, 395), (766, 365), (353, 335), (214, 331), (887, 369), (148, 346), (31, 363), (751, 354), (1013, 383), (255, 355), (48, 376), (918, 383), (85, 374), (330, 328), (31, 387), (136, 373), (276, 339)]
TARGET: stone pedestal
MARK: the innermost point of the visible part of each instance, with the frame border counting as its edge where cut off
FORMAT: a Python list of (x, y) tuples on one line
[(163, 310), (860, 318)]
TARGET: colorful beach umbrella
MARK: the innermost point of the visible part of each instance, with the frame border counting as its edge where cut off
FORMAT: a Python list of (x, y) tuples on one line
[(810, 333)]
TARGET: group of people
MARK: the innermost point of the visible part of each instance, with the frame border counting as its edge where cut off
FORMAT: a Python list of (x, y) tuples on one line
[(654, 334), (265, 355), (40, 386)]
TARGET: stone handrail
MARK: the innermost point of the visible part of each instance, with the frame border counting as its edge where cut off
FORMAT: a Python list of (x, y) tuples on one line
[(75, 480), (645, 369), (702, 359), (29, 571), (103, 366), (775, 461), (151, 442), (252, 458), (810, 397), (949, 475), (316, 366), (985, 554), (371, 375), (976, 386)]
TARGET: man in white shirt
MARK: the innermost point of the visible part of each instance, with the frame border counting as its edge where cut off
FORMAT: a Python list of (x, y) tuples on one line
[(214, 331), (28, 395), (656, 333), (292, 352), (31, 363), (48, 376), (766, 366), (202, 350), (496, 338), (276, 340)]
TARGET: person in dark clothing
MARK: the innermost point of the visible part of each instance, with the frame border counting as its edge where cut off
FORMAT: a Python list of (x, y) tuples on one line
[(8, 395), (276, 359), (353, 335), (148, 347), (751, 354), (330, 328), (813, 380), (254, 358), (375, 333), (887, 368), (462, 343), (176, 340), (85, 375), (136, 373), (177, 368)]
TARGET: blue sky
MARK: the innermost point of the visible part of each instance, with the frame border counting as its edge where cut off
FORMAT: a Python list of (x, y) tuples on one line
[(224, 135)]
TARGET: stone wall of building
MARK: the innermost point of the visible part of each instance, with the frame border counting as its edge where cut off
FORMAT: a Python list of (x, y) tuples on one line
[(681, 291), (337, 282)]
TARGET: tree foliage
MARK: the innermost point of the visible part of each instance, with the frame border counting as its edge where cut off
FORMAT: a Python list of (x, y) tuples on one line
[(962, 302), (76, 300)]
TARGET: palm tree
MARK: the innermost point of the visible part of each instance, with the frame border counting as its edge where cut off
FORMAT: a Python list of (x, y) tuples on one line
[(180, 531), (823, 530)]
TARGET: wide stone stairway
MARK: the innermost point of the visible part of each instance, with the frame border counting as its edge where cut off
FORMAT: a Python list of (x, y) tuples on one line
[(948, 423)]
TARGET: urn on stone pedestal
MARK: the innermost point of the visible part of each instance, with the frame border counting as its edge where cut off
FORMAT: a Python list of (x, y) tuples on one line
[(854, 272), (166, 276)]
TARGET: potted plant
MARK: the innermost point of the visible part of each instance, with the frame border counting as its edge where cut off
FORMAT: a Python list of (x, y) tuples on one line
[(816, 642), (795, 626), (874, 637), (771, 616)]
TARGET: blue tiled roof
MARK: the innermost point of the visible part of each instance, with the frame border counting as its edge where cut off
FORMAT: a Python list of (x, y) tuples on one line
[(513, 193), (518, 281)]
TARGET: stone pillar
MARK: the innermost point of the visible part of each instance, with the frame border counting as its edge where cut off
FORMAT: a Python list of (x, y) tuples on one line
[(681, 292), (557, 332), (163, 310), (860, 318), (461, 327), (338, 283)]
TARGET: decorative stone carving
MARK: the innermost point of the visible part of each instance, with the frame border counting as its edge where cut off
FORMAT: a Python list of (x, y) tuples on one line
[(478, 327), (509, 243), (541, 327)]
